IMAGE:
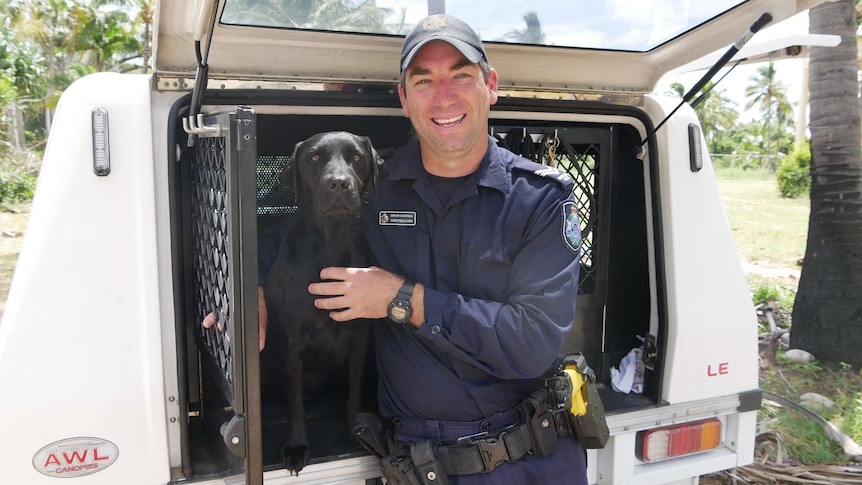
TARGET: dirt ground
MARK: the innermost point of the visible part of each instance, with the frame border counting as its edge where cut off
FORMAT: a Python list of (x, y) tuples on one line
[(13, 222)]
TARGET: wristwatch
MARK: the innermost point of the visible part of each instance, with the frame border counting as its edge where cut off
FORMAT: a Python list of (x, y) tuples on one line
[(399, 310)]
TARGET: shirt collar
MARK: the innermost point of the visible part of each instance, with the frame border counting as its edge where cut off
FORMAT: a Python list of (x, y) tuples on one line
[(493, 172)]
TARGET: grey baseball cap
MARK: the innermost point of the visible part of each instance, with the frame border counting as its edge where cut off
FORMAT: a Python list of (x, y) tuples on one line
[(447, 28)]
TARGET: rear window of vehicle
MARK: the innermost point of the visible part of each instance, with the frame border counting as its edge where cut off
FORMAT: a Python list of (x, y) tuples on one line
[(627, 25)]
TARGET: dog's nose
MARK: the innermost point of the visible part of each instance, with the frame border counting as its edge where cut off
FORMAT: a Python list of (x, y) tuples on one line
[(338, 183)]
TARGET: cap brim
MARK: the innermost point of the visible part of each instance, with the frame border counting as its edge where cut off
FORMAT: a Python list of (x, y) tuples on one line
[(471, 53)]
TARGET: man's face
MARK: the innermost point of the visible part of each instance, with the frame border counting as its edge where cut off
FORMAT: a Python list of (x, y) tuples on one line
[(448, 101)]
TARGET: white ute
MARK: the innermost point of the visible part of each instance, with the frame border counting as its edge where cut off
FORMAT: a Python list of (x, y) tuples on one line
[(154, 188)]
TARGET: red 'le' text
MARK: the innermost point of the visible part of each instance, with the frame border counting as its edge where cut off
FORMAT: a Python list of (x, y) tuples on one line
[(722, 369)]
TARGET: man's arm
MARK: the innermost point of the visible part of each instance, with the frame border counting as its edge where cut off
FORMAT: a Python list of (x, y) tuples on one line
[(517, 338)]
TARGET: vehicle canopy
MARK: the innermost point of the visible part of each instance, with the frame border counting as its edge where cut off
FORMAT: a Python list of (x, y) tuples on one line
[(603, 46)]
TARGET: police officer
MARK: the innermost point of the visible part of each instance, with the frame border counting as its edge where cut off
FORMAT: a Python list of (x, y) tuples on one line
[(477, 267)]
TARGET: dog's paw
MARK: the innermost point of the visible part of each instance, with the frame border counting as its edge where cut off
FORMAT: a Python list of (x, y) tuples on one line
[(295, 457)]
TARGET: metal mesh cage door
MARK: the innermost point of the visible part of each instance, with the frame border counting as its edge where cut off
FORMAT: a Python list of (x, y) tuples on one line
[(222, 264)]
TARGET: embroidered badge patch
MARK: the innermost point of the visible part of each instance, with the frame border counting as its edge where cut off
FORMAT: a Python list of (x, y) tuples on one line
[(571, 227), (396, 218)]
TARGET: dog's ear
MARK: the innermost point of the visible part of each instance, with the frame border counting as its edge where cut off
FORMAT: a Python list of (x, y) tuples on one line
[(378, 166), (289, 176)]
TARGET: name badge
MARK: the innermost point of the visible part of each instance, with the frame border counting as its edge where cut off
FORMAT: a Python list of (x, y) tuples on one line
[(396, 218)]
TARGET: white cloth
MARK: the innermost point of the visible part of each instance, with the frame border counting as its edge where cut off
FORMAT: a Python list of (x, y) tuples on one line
[(630, 376)]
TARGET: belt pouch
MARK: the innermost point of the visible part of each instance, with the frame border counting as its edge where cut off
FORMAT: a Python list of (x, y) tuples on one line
[(398, 470), (371, 433), (541, 424), (427, 467)]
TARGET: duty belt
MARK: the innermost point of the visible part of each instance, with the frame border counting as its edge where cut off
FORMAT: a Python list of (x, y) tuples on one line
[(568, 405), (483, 452)]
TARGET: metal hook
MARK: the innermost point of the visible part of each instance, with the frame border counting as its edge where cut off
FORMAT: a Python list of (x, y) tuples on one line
[(195, 126)]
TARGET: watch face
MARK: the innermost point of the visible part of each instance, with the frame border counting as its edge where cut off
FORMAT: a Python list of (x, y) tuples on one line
[(398, 313)]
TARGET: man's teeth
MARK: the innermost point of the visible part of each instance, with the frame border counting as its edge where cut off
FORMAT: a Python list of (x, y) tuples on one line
[(448, 121)]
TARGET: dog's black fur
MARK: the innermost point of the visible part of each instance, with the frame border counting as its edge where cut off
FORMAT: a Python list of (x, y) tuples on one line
[(330, 174)]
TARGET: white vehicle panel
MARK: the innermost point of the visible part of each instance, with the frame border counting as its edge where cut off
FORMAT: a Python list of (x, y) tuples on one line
[(85, 297), (712, 326)]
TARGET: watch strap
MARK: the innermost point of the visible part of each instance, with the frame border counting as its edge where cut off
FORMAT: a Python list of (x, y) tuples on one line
[(406, 290)]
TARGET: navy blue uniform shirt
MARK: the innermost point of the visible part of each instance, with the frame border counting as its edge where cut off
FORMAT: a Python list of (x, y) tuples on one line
[(499, 264)]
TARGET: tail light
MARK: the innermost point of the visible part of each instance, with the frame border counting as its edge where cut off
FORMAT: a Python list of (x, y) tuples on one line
[(678, 440)]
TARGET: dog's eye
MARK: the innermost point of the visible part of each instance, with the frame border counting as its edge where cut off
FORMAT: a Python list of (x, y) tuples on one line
[(315, 158), (357, 158)]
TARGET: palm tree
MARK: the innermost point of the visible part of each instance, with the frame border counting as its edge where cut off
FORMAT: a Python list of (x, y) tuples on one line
[(143, 19), (769, 94), (717, 115), (827, 314), (531, 34), (315, 14), (717, 112), (102, 35), (50, 25)]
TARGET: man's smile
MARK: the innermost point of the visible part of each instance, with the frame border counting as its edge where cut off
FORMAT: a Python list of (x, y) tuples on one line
[(448, 121)]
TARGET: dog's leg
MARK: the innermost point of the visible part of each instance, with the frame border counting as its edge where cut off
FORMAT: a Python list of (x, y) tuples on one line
[(295, 452), (355, 368)]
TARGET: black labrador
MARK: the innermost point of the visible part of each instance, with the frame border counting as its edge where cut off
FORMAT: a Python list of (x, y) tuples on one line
[(329, 173)]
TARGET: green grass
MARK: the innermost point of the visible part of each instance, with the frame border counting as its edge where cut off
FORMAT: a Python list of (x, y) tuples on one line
[(769, 230), (770, 233)]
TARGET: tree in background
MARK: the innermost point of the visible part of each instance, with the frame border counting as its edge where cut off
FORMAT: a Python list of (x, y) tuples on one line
[(827, 314), (46, 44), (531, 34), (315, 14), (142, 28), (717, 115), (104, 34), (769, 95)]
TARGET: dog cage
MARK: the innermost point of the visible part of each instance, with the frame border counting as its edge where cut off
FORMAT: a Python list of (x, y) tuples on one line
[(228, 195)]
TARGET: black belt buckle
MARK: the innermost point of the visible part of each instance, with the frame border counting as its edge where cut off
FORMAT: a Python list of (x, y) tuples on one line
[(492, 449)]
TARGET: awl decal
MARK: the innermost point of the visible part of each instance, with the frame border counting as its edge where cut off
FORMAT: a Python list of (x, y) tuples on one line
[(75, 457)]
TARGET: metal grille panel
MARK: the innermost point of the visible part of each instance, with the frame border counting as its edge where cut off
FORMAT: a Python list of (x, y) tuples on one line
[(210, 248), (581, 161), (273, 198)]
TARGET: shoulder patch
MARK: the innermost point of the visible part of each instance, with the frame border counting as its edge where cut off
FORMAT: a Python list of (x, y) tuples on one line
[(571, 230)]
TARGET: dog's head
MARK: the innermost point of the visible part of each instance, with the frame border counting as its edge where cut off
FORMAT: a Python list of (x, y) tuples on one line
[(330, 172)]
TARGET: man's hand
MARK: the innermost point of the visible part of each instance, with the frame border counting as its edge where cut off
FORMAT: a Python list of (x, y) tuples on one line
[(352, 293), (210, 320)]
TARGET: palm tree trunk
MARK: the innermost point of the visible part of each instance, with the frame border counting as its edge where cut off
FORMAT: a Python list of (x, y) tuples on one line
[(827, 315)]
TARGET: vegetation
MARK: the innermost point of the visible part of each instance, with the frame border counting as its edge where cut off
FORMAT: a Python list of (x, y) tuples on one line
[(794, 174), (768, 94), (826, 314), (780, 225), (44, 47)]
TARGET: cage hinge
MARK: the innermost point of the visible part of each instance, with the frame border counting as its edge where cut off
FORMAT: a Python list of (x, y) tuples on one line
[(246, 131), (233, 434)]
